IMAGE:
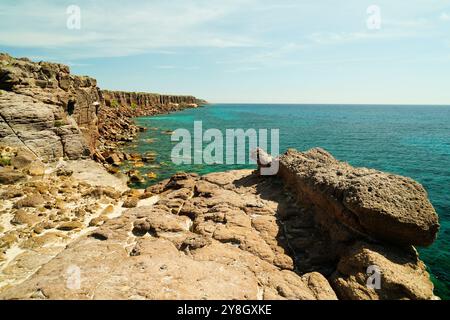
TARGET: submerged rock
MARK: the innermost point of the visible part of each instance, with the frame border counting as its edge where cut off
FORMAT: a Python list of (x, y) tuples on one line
[(23, 159)]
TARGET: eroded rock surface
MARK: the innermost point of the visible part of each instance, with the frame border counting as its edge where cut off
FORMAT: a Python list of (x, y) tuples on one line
[(201, 240), (70, 230), (233, 235), (380, 205), (56, 114)]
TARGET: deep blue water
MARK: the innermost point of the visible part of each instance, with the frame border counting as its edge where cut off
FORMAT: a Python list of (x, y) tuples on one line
[(409, 140)]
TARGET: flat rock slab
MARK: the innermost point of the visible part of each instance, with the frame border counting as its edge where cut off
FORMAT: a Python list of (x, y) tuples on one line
[(93, 173)]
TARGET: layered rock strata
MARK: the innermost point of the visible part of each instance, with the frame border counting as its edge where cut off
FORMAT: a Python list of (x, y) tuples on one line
[(56, 114), (46, 109), (143, 104)]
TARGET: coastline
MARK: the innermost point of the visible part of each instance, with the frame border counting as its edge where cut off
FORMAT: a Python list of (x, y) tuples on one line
[(267, 246)]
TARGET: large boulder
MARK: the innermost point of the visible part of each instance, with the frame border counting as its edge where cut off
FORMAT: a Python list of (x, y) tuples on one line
[(23, 159), (402, 274), (377, 205), (38, 128)]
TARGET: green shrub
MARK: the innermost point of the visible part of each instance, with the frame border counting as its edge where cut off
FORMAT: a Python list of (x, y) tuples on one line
[(114, 103), (59, 123), (4, 162), (134, 106)]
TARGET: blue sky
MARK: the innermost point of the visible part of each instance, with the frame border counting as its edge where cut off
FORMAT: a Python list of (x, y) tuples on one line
[(302, 51)]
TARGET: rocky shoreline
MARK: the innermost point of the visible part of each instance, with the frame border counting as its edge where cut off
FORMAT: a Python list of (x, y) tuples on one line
[(310, 233)]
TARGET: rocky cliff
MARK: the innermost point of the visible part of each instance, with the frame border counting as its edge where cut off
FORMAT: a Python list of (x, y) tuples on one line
[(54, 114), (47, 110), (149, 103), (369, 219), (116, 125)]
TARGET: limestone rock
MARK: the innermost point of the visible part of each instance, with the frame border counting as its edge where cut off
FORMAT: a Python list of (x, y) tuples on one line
[(23, 217), (379, 205), (230, 235), (173, 255), (36, 168), (131, 202), (31, 201), (10, 176), (23, 159), (403, 275), (45, 97), (71, 225)]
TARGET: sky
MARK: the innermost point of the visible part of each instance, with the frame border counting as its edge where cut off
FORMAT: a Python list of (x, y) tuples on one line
[(244, 51)]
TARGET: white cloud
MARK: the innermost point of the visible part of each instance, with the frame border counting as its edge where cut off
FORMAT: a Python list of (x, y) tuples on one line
[(330, 38), (165, 67), (272, 28), (117, 29), (444, 16)]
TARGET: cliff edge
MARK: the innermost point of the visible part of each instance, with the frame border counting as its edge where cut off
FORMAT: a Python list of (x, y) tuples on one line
[(54, 114)]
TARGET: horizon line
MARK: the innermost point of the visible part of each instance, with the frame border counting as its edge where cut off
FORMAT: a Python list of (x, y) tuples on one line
[(331, 104)]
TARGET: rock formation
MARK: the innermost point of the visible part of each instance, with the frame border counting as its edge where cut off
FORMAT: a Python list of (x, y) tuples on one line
[(54, 114), (369, 202), (233, 235), (45, 109), (143, 104)]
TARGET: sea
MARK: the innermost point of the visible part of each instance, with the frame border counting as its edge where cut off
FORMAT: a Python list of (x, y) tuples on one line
[(410, 140)]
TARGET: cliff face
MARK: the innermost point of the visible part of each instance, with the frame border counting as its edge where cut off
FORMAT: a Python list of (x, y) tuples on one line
[(47, 110), (54, 114), (149, 103), (116, 126)]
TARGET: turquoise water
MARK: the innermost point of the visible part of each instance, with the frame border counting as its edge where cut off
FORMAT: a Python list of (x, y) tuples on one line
[(409, 140)]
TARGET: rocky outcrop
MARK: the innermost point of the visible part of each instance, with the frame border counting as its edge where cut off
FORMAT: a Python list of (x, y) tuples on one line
[(371, 221), (318, 230), (212, 237), (233, 235), (116, 125), (65, 107), (377, 205), (404, 276), (54, 113), (145, 104), (42, 128)]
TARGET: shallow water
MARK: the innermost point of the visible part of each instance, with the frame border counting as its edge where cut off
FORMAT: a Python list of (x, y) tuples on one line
[(409, 140)]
